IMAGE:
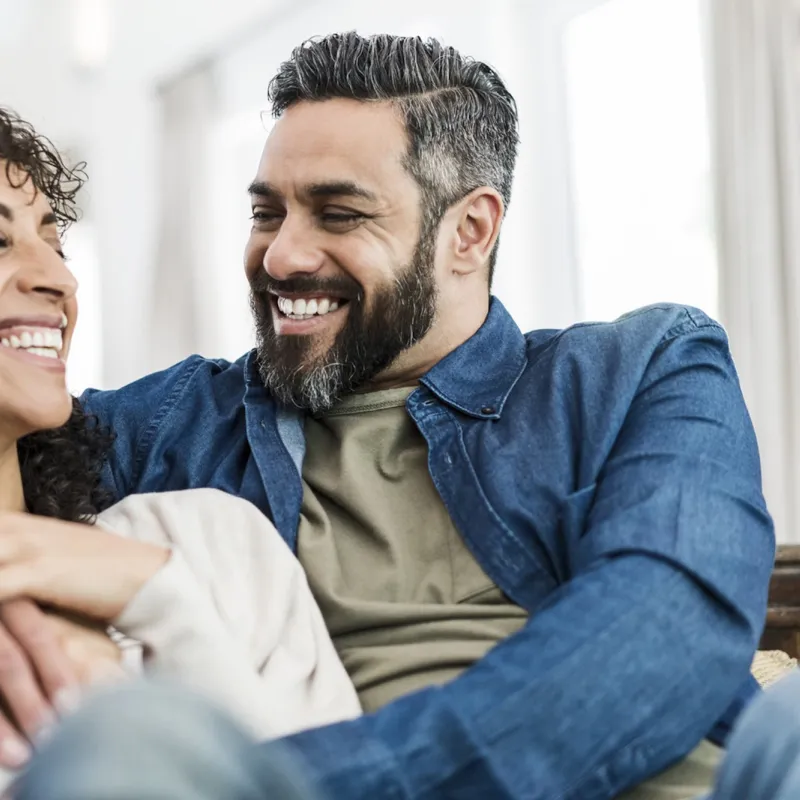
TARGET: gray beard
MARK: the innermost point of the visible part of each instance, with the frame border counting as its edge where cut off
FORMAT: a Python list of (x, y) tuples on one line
[(401, 315)]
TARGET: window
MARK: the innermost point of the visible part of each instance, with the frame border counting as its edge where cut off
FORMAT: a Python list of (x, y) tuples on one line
[(640, 146)]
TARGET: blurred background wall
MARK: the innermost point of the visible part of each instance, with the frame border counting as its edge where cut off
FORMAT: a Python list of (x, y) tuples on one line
[(660, 161)]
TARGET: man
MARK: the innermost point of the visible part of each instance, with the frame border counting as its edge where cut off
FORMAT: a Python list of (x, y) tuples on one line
[(543, 559)]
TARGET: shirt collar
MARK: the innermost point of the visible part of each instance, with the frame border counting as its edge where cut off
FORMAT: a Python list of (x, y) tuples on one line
[(478, 376)]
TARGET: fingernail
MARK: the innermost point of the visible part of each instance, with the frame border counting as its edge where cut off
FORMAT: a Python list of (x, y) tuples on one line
[(68, 700), (44, 734), (14, 752), (45, 729)]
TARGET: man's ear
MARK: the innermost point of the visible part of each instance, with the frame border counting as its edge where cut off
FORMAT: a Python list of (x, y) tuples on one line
[(480, 217)]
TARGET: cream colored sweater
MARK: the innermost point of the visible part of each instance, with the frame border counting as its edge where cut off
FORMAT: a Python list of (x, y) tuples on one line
[(230, 614)]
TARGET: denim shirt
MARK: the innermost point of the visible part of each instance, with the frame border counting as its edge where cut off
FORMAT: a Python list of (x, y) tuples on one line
[(606, 477)]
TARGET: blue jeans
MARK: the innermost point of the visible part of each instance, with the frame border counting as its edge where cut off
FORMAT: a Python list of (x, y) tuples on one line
[(763, 758), (147, 742), (154, 742)]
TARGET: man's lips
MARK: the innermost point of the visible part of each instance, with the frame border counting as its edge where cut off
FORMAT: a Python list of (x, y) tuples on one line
[(300, 321), (308, 305)]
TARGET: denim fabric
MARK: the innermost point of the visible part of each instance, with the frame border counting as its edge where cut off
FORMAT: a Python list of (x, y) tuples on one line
[(153, 742), (763, 762), (606, 477)]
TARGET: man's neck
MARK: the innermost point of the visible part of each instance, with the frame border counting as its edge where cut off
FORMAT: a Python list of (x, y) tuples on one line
[(444, 337)]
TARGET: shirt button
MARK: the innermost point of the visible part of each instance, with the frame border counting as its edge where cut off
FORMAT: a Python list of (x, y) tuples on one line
[(488, 410)]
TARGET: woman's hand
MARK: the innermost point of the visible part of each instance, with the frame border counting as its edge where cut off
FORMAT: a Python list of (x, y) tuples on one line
[(46, 658), (76, 567), (95, 658)]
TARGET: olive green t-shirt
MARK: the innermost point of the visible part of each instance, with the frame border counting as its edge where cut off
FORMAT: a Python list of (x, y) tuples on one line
[(405, 602)]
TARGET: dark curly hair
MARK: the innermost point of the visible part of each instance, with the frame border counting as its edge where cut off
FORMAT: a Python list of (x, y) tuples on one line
[(61, 468)]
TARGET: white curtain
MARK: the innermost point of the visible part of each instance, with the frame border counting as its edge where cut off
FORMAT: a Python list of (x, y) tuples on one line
[(182, 317), (755, 71)]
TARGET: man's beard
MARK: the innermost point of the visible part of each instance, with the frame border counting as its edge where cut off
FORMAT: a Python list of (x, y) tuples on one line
[(399, 316)]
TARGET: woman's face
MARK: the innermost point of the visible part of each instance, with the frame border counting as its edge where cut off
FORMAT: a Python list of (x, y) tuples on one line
[(37, 312)]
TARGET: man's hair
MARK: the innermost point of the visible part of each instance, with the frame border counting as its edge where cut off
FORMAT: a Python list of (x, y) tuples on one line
[(460, 118), (61, 468)]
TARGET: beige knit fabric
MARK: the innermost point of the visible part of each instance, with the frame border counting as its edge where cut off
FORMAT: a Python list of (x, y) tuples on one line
[(769, 666)]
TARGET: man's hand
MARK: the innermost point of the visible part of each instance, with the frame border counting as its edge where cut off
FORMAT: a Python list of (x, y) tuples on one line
[(44, 661)]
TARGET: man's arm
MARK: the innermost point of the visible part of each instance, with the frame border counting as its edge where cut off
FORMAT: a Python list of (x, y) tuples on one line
[(133, 413), (631, 662)]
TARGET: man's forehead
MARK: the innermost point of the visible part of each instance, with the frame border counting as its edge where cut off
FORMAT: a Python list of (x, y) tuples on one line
[(334, 140)]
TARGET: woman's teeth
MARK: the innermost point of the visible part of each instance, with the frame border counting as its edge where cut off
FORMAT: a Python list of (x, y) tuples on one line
[(45, 342), (305, 309)]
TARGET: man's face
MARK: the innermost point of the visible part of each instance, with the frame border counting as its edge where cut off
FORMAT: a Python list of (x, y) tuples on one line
[(340, 265)]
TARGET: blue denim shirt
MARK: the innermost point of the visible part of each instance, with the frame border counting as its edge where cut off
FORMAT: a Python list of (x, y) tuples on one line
[(606, 477)]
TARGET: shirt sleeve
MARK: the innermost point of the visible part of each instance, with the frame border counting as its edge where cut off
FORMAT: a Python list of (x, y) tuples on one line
[(186, 640), (632, 660), (230, 613), (133, 413)]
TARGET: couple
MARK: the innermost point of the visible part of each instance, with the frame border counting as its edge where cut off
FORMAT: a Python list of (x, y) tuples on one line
[(539, 560)]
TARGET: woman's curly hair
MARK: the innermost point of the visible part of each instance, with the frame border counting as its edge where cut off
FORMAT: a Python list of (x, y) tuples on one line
[(61, 468)]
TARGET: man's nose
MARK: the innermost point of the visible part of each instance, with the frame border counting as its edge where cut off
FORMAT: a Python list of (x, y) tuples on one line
[(292, 252)]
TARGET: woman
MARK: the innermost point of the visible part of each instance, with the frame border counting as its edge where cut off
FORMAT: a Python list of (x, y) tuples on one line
[(200, 578)]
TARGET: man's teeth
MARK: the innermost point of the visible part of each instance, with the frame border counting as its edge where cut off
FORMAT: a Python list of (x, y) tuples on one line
[(304, 309), (45, 342)]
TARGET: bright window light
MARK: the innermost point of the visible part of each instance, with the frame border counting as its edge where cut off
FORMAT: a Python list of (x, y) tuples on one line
[(640, 147)]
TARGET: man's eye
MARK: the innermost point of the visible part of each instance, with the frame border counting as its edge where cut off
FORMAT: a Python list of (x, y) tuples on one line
[(3, 241), (341, 217), (264, 216)]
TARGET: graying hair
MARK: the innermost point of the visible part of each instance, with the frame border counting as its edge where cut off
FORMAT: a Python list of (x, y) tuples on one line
[(460, 118)]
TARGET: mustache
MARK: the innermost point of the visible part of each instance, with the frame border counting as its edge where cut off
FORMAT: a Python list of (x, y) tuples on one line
[(341, 286)]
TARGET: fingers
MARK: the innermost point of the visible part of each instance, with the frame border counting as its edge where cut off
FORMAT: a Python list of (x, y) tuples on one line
[(24, 700), (34, 631), (15, 752)]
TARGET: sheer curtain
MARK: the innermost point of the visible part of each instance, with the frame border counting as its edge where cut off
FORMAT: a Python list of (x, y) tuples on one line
[(182, 318), (755, 67)]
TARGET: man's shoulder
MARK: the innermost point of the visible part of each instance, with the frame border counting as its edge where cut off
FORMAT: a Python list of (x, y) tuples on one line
[(192, 391), (637, 335), (658, 322), (189, 412), (619, 358), (213, 373)]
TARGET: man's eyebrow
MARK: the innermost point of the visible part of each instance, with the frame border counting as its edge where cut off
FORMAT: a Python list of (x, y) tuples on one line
[(340, 189), (49, 219), (262, 189), (6, 212), (316, 190)]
